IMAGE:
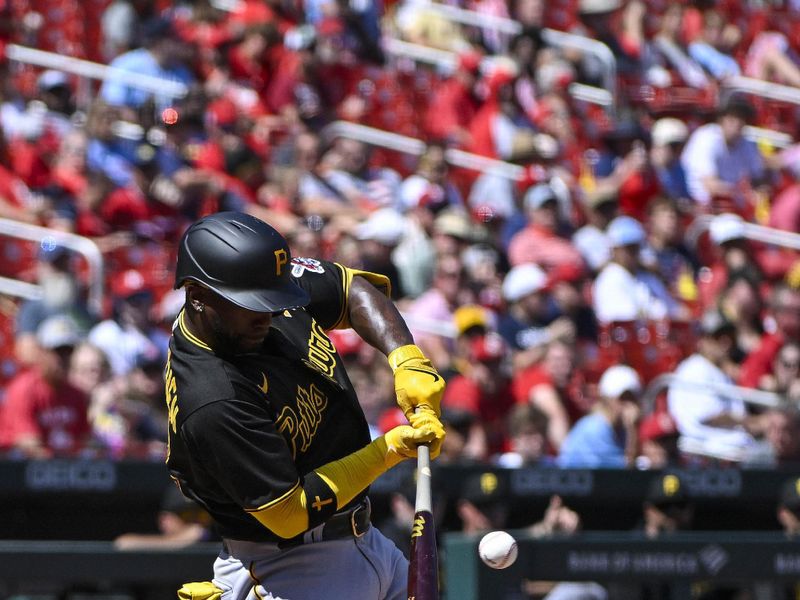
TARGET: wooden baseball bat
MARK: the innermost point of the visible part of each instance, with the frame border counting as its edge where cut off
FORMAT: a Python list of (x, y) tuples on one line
[(423, 569)]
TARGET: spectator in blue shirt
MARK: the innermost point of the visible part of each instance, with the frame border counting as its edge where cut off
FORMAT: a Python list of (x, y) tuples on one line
[(606, 438), (160, 56)]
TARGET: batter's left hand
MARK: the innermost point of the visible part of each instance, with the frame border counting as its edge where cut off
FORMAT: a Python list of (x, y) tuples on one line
[(416, 381), (424, 419)]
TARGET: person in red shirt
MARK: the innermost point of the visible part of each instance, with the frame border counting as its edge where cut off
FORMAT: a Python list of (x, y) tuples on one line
[(555, 387), (785, 314), (455, 102), (539, 241), (484, 390), (42, 414)]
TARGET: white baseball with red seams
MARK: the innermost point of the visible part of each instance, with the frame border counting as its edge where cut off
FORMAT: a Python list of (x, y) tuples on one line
[(498, 549)]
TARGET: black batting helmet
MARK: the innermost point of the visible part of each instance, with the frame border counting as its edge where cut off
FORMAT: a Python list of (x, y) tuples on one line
[(242, 259)]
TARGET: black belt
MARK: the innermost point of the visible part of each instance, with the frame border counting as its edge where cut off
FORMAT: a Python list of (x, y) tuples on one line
[(353, 523)]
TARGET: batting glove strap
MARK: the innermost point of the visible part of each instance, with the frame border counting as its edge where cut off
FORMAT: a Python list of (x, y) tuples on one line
[(416, 381), (400, 355)]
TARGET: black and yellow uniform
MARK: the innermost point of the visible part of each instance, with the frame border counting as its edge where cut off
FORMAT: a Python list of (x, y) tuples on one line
[(248, 431)]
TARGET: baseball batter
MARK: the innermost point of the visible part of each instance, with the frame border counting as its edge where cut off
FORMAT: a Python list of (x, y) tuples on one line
[(265, 430)]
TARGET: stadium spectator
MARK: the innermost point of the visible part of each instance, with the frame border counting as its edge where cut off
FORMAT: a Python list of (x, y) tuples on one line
[(435, 307), (622, 168), (672, 52), (429, 185), (530, 320), (455, 102), (740, 303), (62, 294), (540, 241), (669, 136), (356, 182), (607, 437), (664, 251), (556, 387), (527, 438), (88, 368), (131, 332), (782, 436), (783, 326), (624, 290), (42, 413), (591, 240), (713, 48), (161, 55), (720, 163), (785, 376), (378, 237), (712, 421), (120, 22), (501, 129), (484, 389), (658, 442)]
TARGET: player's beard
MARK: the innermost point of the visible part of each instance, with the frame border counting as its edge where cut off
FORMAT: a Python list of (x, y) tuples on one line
[(228, 343)]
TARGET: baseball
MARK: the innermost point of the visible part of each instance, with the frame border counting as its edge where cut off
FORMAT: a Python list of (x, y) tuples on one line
[(498, 549)]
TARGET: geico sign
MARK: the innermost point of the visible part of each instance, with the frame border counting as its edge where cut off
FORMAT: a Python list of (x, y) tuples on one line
[(537, 481), (725, 482), (57, 475)]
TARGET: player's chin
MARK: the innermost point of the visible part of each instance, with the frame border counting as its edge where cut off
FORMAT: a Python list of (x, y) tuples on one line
[(251, 341)]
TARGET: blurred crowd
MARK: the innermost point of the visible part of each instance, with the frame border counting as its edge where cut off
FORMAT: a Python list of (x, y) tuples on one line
[(602, 306)]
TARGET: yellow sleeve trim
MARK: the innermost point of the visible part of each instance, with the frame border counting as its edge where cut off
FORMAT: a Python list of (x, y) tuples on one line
[(287, 516), (349, 476), (277, 500), (379, 281)]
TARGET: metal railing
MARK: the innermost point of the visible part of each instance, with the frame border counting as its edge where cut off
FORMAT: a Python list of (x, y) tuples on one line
[(415, 147), (553, 37), (86, 69), (747, 395), (764, 89), (446, 61), (83, 246), (751, 231)]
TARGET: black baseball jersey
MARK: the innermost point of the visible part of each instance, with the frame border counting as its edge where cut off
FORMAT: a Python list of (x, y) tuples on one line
[(244, 430)]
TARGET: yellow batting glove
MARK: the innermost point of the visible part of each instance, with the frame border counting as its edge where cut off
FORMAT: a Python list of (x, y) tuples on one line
[(416, 381), (402, 442), (426, 420)]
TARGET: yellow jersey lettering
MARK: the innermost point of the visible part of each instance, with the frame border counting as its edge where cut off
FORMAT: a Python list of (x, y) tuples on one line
[(171, 394), (321, 351), (287, 426), (299, 424), (281, 258)]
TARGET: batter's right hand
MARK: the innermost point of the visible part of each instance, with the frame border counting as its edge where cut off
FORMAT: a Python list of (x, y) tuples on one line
[(402, 442), (425, 418)]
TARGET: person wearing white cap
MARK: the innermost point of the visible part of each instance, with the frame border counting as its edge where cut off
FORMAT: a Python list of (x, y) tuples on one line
[(668, 136), (530, 322), (379, 235), (607, 437), (624, 291)]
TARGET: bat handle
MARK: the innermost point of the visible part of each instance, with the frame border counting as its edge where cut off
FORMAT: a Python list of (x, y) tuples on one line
[(423, 499)]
